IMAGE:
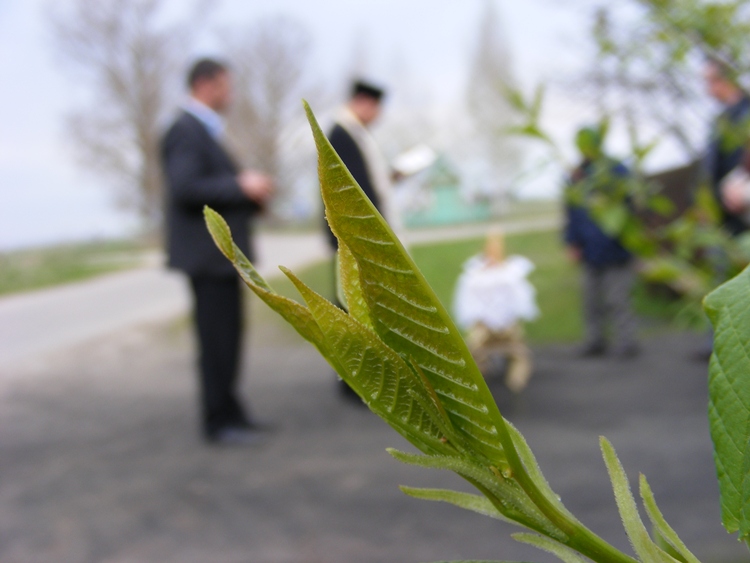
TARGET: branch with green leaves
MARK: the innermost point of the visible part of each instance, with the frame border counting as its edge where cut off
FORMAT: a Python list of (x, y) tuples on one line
[(398, 349), (690, 252)]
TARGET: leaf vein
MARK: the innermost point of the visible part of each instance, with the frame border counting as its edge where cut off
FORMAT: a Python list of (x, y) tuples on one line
[(440, 330)]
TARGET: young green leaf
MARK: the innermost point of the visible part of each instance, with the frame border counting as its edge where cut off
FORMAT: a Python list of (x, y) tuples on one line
[(219, 232), (380, 376), (350, 286), (647, 550), (664, 529), (565, 554), (294, 313), (729, 397), (475, 503), (507, 496), (405, 312), (535, 111)]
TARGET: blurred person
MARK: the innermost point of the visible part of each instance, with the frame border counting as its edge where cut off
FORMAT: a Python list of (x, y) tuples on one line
[(351, 139), (727, 142), (493, 296), (607, 274), (722, 164), (199, 171), (735, 188)]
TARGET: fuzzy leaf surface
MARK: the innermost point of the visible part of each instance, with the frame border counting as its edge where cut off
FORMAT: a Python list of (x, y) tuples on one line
[(564, 553), (350, 286), (665, 530), (644, 546), (511, 500), (728, 308), (467, 501), (380, 376), (406, 313), (294, 313), (376, 373)]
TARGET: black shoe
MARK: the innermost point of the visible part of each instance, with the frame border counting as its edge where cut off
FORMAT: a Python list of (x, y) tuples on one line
[(238, 436), (591, 350)]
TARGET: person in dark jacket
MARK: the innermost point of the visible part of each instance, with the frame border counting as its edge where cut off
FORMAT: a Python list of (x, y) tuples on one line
[(607, 272), (199, 171), (351, 139), (728, 140)]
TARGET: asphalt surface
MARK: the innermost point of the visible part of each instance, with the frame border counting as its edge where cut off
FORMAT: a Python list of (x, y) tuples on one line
[(100, 458), (101, 461), (36, 323)]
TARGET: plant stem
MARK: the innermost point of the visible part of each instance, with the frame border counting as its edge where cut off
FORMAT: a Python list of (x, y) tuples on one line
[(580, 537)]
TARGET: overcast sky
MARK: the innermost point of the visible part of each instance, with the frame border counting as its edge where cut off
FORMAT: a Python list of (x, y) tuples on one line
[(46, 197)]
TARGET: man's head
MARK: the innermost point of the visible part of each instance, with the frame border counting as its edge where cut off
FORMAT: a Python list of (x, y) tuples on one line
[(211, 83), (720, 84), (365, 101)]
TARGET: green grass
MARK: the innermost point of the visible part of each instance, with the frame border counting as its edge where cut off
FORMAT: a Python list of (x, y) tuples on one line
[(555, 279), (24, 270), (557, 282)]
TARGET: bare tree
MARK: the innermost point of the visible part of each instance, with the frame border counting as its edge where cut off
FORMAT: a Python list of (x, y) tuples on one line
[(128, 60), (269, 61), (490, 78), (640, 76)]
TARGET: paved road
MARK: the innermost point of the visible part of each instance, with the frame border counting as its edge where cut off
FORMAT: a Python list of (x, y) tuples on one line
[(35, 323), (100, 459), (43, 321)]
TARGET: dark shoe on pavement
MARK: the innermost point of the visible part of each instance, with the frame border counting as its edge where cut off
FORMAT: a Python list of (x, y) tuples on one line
[(592, 350)]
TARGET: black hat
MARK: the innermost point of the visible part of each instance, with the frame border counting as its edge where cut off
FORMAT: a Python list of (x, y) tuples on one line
[(362, 88)]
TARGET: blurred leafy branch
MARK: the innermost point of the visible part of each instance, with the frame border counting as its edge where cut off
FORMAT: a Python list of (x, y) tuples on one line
[(398, 349), (689, 252)]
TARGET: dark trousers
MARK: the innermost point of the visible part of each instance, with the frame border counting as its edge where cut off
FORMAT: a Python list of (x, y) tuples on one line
[(606, 298), (217, 303)]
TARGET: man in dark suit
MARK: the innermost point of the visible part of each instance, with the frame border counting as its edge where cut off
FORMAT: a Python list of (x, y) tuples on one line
[(726, 146), (199, 171), (351, 139)]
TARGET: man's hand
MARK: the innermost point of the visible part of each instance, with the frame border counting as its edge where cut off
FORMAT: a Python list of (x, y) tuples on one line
[(734, 197), (256, 185)]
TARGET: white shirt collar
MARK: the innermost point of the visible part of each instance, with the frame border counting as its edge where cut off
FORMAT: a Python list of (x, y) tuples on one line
[(212, 121)]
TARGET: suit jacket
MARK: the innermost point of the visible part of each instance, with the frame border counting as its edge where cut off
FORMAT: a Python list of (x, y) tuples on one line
[(198, 172), (598, 249), (346, 147), (725, 151)]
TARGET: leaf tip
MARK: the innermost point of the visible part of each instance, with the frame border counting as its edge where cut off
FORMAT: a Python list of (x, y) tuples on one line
[(219, 231)]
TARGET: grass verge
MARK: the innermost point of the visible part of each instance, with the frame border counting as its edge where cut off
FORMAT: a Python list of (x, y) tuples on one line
[(28, 269), (557, 282)]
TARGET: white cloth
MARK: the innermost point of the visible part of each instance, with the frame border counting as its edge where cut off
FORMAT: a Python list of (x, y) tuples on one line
[(497, 295), (377, 166)]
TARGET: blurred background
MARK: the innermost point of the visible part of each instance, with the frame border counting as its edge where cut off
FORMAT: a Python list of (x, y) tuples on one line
[(99, 458), (94, 84)]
